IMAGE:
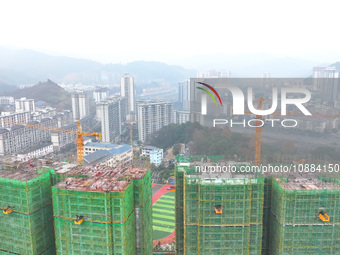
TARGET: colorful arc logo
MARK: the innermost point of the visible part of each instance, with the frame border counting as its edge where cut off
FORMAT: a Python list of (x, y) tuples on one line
[(209, 93)]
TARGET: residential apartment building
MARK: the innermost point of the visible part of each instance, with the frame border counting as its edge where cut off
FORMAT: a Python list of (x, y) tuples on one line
[(113, 155), (80, 105), (7, 119), (16, 138), (152, 115), (100, 94), (127, 89), (154, 154), (112, 114), (326, 81), (181, 117), (23, 104), (184, 94), (6, 100)]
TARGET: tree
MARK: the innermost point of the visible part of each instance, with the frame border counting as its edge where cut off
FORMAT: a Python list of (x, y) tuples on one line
[(176, 149)]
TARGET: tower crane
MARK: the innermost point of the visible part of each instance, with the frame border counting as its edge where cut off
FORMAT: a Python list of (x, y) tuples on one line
[(79, 140)]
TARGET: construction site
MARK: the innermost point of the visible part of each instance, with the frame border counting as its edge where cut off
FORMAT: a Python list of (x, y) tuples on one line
[(62, 208), (251, 213)]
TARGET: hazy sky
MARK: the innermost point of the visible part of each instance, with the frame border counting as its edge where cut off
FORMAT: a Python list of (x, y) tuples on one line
[(126, 30)]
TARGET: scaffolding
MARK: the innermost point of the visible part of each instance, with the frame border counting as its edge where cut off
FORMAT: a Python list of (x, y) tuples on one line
[(143, 212), (103, 209), (221, 213), (26, 218), (295, 225)]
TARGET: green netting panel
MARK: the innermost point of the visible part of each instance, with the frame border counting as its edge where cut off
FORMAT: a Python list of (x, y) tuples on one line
[(66, 247), (82, 239), (303, 239), (303, 206), (223, 240), (50, 251), (255, 250), (179, 215), (223, 251), (216, 237), (124, 241), (266, 229), (256, 235), (144, 228), (142, 190), (179, 229), (179, 189), (265, 252), (267, 190), (95, 238), (26, 196), (104, 207), (256, 212), (27, 234), (234, 195)]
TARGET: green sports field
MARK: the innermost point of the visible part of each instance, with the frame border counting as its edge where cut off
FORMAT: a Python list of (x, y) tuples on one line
[(163, 214)]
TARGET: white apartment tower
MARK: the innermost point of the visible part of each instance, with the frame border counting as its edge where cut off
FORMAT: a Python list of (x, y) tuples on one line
[(112, 112), (127, 89), (152, 115), (184, 94), (100, 94), (23, 104), (80, 105)]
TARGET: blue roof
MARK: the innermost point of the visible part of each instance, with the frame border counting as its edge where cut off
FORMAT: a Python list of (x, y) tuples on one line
[(115, 148), (101, 155)]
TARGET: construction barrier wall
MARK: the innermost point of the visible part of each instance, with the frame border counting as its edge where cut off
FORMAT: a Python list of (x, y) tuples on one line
[(295, 227)]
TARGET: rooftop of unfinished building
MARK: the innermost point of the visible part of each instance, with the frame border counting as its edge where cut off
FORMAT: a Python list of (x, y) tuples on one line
[(101, 179), (99, 171), (306, 183), (98, 184), (21, 170)]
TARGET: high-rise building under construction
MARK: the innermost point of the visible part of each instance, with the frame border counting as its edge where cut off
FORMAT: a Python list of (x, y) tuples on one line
[(218, 213)]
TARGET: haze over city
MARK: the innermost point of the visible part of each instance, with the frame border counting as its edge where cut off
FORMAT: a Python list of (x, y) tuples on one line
[(174, 32), (169, 127)]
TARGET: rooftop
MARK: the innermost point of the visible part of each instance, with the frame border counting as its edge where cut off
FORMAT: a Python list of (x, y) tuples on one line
[(100, 179), (303, 183)]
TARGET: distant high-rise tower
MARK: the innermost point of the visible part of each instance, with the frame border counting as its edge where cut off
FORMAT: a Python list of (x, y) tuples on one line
[(112, 112), (80, 105), (152, 115), (127, 89), (184, 94), (326, 82), (100, 94), (23, 104)]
